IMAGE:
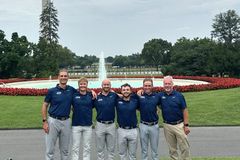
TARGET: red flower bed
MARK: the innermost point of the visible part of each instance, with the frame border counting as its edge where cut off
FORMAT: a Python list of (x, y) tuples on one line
[(23, 91), (214, 83)]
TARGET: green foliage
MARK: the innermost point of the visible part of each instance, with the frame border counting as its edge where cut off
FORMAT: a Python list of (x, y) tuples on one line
[(15, 56), (156, 52), (226, 27), (45, 59), (49, 23), (190, 57), (86, 60), (120, 61)]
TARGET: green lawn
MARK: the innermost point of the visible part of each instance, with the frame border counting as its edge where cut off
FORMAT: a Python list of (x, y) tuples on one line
[(208, 108)]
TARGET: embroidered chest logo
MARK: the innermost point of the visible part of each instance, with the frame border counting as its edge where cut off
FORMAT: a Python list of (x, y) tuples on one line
[(58, 93)]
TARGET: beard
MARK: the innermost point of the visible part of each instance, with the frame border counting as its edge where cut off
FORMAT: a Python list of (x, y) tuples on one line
[(126, 95)]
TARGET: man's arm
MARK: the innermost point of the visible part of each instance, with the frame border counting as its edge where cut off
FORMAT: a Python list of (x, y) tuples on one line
[(44, 117), (185, 121)]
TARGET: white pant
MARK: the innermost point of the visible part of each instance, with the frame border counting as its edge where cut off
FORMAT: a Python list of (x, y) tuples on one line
[(58, 129), (127, 143), (105, 136), (86, 132)]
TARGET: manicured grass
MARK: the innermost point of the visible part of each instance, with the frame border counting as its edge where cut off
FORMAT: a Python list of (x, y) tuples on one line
[(20, 111), (207, 108), (218, 107)]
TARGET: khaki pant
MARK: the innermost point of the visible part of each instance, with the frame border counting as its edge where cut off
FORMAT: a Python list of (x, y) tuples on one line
[(176, 138)]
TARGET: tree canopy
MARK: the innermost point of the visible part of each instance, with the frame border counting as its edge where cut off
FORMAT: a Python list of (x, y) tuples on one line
[(226, 27)]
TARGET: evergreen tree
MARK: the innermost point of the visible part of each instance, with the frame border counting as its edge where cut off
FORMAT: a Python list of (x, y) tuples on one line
[(49, 23)]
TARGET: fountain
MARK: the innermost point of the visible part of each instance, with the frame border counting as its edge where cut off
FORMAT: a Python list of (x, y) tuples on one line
[(102, 74)]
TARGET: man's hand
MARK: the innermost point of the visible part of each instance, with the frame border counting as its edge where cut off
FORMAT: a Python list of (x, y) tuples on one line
[(94, 94), (45, 127), (186, 130), (140, 92)]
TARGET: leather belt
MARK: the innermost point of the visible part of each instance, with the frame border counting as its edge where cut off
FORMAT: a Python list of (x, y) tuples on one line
[(173, 123), (106, 122), (149, 123), (127, 127), (59, 118)]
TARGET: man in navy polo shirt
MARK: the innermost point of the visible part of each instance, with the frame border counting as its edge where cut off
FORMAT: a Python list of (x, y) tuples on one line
[(175, 120), (149, 130), (127, 122), (82, 120), (105, 128), (58, 124)]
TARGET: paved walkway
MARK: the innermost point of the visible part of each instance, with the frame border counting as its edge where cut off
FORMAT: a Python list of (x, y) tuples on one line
[(204, 141)]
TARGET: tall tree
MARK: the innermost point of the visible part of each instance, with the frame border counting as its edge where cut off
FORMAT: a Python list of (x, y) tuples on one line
[(49, 23), (15, 58), (190, 57), (226, 27), (156, 52)]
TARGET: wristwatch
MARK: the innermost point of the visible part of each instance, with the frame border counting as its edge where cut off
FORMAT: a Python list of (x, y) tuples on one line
[(186, 125), (44, 120)]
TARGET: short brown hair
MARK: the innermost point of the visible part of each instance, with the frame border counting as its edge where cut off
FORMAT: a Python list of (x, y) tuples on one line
[(82, 79), (148, 79), (62, 70), (126, 85)]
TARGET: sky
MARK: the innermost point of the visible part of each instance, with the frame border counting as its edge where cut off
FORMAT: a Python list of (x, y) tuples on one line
[(115, 27)]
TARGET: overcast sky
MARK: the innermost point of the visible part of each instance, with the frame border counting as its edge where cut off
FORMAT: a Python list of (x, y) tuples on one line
[(115, 26)]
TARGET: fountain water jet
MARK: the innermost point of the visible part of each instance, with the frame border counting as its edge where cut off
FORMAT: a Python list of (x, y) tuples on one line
[(102, 74)]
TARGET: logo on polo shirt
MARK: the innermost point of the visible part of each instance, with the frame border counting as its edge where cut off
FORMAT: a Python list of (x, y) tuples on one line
[(59, 93), (77, 97), (142, 96), (100, 100), (173, 97), (163, 97), (120, 102)]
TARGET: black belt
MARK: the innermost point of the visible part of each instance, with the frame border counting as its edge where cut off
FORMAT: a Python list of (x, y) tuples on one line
[(106, 122), (59, 118), (127, 127), (173, 123), (149, 123)]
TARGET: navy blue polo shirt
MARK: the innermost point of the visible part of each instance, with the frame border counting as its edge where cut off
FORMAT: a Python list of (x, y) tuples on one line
[(126, 112), (105, 106), (148, 107), (60, 100), (172, 106), (82, 109)]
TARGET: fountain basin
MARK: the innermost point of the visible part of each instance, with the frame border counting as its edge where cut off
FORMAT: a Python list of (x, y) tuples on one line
[(95, 83)]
